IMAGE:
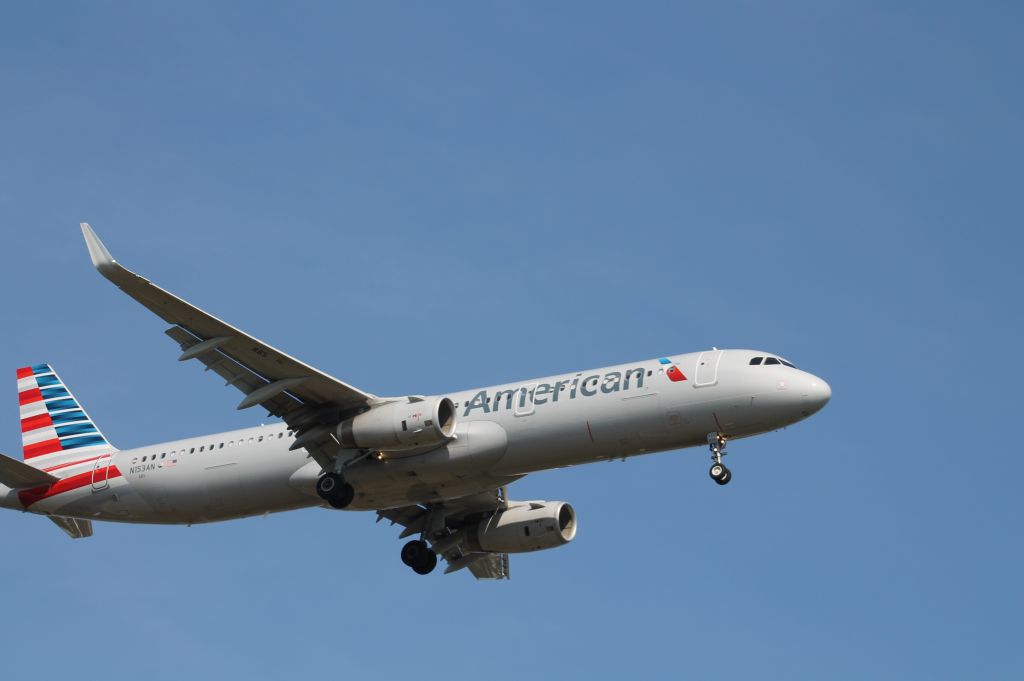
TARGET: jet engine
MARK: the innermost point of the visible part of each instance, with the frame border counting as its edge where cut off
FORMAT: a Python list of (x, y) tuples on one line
[(407, 424), (531, 526)]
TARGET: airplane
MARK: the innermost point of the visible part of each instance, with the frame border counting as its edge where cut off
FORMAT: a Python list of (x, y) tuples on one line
[(438, 465)]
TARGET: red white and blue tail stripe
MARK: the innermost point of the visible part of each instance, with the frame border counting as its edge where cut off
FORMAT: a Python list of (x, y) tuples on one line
[(53, 424)]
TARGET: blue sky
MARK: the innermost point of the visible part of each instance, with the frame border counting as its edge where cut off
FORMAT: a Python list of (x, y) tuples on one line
[(418, 199)]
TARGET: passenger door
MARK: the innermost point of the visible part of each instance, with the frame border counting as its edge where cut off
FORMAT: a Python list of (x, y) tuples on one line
[(707, 369), (101, 473)]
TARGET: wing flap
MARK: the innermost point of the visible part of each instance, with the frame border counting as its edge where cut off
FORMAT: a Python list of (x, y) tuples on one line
[(284, 404), (234, 374)]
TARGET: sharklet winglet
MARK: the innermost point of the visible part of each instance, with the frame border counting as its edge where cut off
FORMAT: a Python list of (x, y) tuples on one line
[(101, 258)]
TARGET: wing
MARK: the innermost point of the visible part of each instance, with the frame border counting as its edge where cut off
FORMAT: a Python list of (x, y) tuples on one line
[(443, 524), (304, 397)]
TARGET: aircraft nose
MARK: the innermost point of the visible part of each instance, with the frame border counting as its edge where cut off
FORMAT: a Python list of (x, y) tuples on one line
[(816, 394)]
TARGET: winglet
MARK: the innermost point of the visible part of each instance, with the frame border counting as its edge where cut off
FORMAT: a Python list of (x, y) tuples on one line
[(101, 258)]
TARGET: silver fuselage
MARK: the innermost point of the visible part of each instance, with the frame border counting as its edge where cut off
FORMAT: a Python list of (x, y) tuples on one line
[(504, 432)]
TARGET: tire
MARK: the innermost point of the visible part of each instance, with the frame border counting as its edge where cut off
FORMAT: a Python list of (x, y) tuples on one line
[(327, 485), (333, 489), (412, 552), (725, 477), (426, 564), (717, 471), (342, 496)]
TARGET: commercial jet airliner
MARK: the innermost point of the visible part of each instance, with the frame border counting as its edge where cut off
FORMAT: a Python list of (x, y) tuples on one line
[(437, 465)]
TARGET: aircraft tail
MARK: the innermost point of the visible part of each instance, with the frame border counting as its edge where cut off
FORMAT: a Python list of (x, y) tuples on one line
[(54, 427)]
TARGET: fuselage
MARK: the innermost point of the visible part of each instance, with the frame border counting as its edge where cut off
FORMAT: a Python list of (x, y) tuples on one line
[(504, 432)]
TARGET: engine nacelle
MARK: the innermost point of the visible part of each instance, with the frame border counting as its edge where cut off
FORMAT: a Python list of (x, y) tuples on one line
[(531, 526), (407, 424)]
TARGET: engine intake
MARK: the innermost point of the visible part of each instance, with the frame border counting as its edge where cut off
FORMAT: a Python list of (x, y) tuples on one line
[(532, 526), (395, 426)]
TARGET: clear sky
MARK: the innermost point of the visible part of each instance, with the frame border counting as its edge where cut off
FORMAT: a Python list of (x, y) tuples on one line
[(424, 197)]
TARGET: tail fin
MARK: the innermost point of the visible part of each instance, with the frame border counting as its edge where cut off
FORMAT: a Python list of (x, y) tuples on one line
[(54, 427)]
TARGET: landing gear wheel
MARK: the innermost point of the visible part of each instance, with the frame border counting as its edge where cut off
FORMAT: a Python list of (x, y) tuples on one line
[(333, 489), (417, 555), (427, 564), (720, 474)]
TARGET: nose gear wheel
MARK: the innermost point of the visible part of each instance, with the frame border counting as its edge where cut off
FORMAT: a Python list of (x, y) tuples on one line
[(718, 472)]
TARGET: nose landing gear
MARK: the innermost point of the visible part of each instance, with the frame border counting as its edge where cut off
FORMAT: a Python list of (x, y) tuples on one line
[(718, 472)]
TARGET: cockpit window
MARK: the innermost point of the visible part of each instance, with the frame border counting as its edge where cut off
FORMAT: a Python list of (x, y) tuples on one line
[(789, 364), (756, 361), (771, 360)]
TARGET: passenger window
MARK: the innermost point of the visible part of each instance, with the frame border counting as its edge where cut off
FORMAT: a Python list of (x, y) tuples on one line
[(192, 450), (202, 448), (260, 439), (143, 459), (756, 361), (164, 455), (772, 360)]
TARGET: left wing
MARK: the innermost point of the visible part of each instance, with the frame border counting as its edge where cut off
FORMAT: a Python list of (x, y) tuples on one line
[(442, 525), (304, 397)]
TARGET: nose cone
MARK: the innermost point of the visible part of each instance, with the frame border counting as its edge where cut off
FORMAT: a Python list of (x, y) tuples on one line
[(816, 393)]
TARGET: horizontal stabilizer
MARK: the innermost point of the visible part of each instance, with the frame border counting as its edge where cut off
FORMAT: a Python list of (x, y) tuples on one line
[(76, 528), (18, 475)]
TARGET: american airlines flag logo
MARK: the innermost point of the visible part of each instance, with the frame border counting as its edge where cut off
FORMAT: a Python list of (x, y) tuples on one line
[(673, 372)]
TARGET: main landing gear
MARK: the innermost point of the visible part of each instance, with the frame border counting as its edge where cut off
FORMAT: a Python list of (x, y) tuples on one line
[(417, 555), (718, 472), (333, 489)]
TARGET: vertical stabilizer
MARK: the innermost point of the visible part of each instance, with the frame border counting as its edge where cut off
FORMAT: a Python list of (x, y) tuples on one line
[(54, 427)]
